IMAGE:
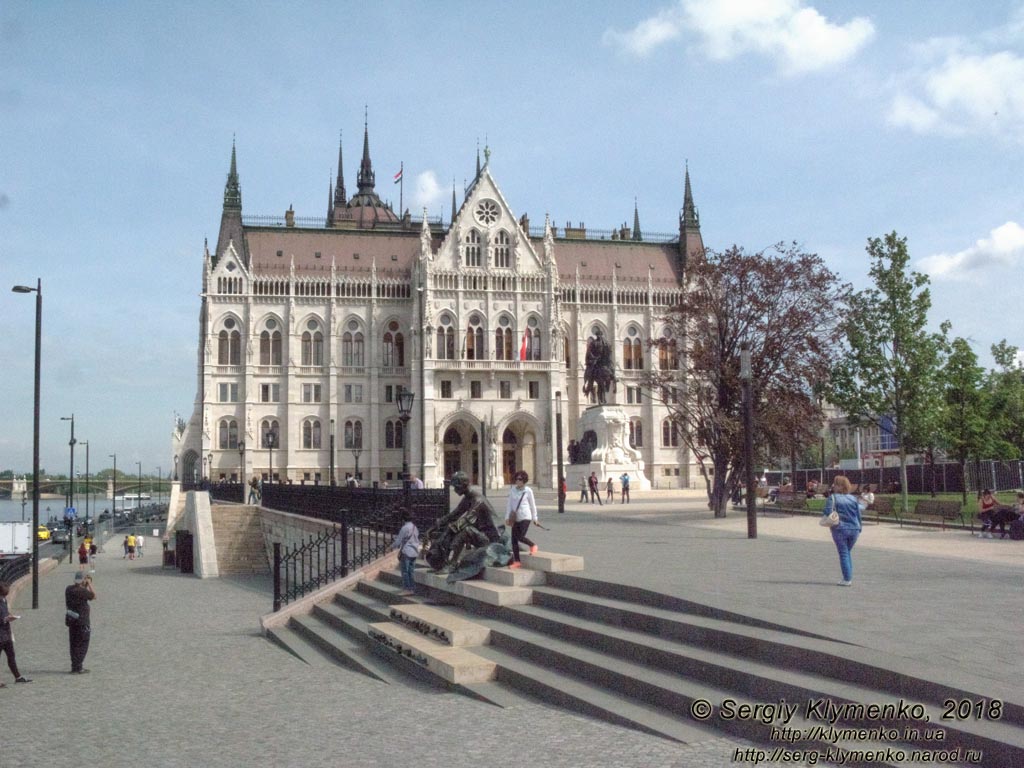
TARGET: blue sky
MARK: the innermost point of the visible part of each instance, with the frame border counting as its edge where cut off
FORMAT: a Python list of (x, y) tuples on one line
[(823, 123)]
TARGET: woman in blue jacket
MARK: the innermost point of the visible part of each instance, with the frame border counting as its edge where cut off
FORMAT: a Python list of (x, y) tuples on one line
[(848, 507)]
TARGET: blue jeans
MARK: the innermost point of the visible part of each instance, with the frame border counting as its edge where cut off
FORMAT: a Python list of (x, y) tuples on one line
[(845, 538), (408, 565)]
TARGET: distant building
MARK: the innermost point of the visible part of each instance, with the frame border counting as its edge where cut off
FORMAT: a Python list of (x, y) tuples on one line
[(313, 325)]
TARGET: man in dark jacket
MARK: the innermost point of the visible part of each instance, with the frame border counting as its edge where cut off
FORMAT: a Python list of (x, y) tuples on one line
[(76, 601)]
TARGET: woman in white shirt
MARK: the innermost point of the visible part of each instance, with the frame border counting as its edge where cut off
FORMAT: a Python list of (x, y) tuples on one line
[(520, 511)]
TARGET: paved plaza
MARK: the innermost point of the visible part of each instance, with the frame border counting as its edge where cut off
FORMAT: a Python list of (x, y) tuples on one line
[(181, 676)]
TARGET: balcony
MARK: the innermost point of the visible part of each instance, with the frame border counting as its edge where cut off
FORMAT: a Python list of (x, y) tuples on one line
[(507, 366)]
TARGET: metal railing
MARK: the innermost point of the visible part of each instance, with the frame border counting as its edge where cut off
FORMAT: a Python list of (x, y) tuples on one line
[(944, 477)]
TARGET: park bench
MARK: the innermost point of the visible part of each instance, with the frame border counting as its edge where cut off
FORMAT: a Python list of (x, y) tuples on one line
[(791, 501), (946, 510), (884, 507)]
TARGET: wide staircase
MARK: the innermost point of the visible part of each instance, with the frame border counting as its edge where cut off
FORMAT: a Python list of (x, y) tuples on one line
[(238, 536), (660, 664)]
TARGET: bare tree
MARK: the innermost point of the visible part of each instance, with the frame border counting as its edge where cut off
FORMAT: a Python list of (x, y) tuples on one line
[(785, 303)]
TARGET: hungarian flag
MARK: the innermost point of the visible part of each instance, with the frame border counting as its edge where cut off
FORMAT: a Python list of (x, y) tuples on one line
[(398, 176), (522, 347)]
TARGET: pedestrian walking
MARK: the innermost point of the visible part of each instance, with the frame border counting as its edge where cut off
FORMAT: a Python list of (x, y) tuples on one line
[(7, 636), (77, 620), (625, 487), (125, 548), (520, 511), (131, 546), (83, 556), (407, 542), (610, 491), (140, 540), (93, 549), (583, 490), (595, 491), (848, 507), (254, 490)]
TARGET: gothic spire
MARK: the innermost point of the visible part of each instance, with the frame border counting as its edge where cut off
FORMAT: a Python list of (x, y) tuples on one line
[(636, 222), (690, 218), (232, 190), (330, 200), (477, 160), (366, 175), (453, 200), (340, 197)]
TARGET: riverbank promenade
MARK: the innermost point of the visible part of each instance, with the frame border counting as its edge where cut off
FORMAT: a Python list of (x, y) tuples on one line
[(180, 675)]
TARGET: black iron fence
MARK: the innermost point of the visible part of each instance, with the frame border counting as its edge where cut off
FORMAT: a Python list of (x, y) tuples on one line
[(365, 522), (13, 568), (945, 477)]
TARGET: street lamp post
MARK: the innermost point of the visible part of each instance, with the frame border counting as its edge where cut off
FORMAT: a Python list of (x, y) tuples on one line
[(405, 401), (558, 441), (138, 508), (355, 455), (86, 444), (747, 377), (271, 439), (332, 481), (113, 498), (175, 467), (71, 489), (38, 290), (241, 466), (209, 463), (483, 455)]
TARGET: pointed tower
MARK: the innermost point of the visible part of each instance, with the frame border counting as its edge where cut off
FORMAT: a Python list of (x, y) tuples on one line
[(340, 199), (636, 223), (365, 210), (231, 216), (691, 244), (330, 200), (477, 160), (454, 209)]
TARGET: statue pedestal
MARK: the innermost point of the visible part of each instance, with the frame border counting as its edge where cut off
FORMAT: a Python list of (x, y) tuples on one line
[(613, 456)]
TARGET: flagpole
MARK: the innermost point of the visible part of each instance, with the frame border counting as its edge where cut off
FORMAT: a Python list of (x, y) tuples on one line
[(401, 189)]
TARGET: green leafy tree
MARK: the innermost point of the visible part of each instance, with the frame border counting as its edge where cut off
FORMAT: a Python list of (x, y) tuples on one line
[(1006, 402), (893, 362), (965, 425), (785, 303)]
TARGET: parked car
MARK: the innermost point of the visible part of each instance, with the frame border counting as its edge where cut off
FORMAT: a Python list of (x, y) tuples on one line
[(43, 533)]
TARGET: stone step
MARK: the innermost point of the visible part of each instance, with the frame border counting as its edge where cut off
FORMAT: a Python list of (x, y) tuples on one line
[(549, 562), (472, 589), (301, 648), (515, 577), (343, 649), (440, 624), (453, 665)]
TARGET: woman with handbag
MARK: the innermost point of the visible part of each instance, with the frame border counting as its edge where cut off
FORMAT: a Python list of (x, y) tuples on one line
[(520, 511), (842, 514)]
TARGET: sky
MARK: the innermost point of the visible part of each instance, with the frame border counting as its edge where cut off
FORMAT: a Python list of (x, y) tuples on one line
[(820, 123)]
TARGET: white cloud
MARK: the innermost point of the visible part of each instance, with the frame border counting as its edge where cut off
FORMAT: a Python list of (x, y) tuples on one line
[(426, 192), (798, 37), (1003, 247), (963, 87)]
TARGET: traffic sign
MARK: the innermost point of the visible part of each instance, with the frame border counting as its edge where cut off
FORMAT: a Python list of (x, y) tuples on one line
[(70, 512)]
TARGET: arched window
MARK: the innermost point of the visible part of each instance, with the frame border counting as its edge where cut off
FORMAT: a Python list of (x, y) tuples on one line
[(353, 434), (270, 427), (394, 434), (669, 434), (636, 433), (503, 250), (632, 351), (311, 434), (394, 346), (475, 339), (452, 436), (229, 344), (503, 344), (358, 351), (346, 349), (668, 355), (228, 433), (270, 344), (446, 338), (533, 339), (473, 248)]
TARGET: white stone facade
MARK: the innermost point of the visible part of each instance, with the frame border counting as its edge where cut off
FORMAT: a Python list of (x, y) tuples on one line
[(304, 325)]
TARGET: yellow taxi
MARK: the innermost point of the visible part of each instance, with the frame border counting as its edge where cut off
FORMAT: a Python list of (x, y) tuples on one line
[(43, 533)]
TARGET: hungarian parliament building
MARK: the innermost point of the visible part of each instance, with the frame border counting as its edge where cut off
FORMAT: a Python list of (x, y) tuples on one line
[(312, 329)]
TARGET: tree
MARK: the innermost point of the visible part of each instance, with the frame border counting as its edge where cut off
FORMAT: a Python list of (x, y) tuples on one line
[(891, 369), (1006, 398), (965, 415), (785, 303)]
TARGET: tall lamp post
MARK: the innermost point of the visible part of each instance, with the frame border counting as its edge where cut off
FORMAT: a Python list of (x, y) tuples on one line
[(271, 439), (38, 290), (355, 455), (86, 444), (558, 441), (483, 456), (747, 377), (241, 466), (71, 489), (405, 401), (175, 467), (209, 463), (138, 509), (331, 478), (113, 498)]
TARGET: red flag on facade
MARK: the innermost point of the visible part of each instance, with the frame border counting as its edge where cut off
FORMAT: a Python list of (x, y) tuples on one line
[(522, 347)]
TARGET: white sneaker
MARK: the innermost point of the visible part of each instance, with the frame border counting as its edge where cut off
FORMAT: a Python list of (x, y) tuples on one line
[(988, 535), (845, 584)]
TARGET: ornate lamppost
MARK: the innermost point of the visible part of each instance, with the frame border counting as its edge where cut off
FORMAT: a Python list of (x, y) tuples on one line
[(355, 455), (331, 478), (405, 401), (271, 440), (558, 440)]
